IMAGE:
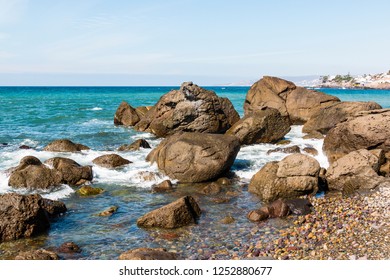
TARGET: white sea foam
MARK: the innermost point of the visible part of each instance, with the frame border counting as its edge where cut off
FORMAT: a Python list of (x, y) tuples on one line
[(95, 109), (96, 122)]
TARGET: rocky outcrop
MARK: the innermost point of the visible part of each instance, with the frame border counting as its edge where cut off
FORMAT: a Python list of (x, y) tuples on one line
[(296, 103), (191, 109), (356, 170), (295, 175), (64, 145), (148, 254), (126, 115), (23, 216), (135, 146), (69, 248), (32, 174), (366, 130), (195, 157), (182, 212), (326, 118), (54, 208), (263, 126), (111, 161), (71, 172), (40, 254)]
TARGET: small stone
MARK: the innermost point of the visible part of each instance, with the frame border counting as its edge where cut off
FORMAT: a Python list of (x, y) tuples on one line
[(227, 220), (88, 190), (109, 211)]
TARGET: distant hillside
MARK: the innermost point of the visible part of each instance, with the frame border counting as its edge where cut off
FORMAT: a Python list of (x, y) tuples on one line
[(373, 81)]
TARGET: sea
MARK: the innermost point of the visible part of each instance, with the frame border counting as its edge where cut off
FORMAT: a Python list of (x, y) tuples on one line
[(35, 116)]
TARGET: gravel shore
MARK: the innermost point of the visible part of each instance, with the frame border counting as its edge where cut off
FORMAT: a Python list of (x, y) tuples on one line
[(341, 228)]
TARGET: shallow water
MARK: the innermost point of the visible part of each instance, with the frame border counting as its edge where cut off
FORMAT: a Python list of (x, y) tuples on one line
[(35, 116)]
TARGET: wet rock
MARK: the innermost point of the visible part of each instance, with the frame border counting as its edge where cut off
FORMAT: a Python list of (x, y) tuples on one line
[(195, 157), (24, 147), (109, 211), (149, 176), (288, 150), (313, 135), (299, 206), (224, 181), (23, 216), (148, 254), (69, 248), (40, 254), (164, 186), (262, 126), (126, 115), (70, 171), (88, 190), (111, 161), (191, 109), (257, 215), (227, 220), (278, 209), (54, 208), (211, 189), (181, 212), (135, 146), (295, 175), (64, 145), (367, 130), (311, 150)]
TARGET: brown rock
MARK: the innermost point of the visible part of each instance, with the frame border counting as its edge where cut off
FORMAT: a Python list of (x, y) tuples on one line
[(135, 146), (164, 186), (111, 161), (64, 145), (314, 135), (326, 118), (227, 220), (299, 206), (191, 109), (278, 209), (88, 190), (142, 111), (211, 189), (24, 147), (181, 212), (195, 157), (71, 172), (368, 130), (126, 115), (288, 150), (69, 248), (40, 254), (109, 211), (53, 208), (257, 215), (298, 165), (148, 254), (263, 126), (310, 150)]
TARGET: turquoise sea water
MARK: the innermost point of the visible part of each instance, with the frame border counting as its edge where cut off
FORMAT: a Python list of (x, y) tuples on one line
[(34, 116)]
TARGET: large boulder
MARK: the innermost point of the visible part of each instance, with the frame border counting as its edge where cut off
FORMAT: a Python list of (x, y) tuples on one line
[(148, 254), (263, 126), (195, 157), (295, 175), (111, 161), (135, 146), (64, 145), (32, 174), (296, 103), (356, 170), (191, 108), (40, 254), (23, 215), (71, 172), (126, 115), (326, 118), (182, 212), (367, 130)]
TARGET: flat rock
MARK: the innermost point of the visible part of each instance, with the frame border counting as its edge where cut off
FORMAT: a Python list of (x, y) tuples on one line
[(64, 145), (111, 161)]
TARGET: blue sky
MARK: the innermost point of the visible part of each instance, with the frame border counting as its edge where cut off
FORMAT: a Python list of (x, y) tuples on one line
[(102, 42)]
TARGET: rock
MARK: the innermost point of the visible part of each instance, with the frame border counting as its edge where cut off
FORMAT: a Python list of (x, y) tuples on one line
[(32, 174), (69, 248), (109, 211), (182, 212), (211, 189), (40, 254), (111, 161), (278, 209), (295, 103), (64, 145), (53, 208), (135, 146), (164, 186), (195, 157), (142, 111), (288, 150), (367, 130), (191, 109), (149, 176), (314, 135), (126, 115), (356, 170), (227, 220), (24, 147), (88, 190), (263, 126), (224, 181), (311, 150), (327, 118), (71, 172), (299, 206), (295, 175), (257, 215), (22, 216), (148, 254)]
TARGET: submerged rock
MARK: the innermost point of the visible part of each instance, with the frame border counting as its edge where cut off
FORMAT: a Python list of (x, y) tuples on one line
[(88, 190), (164, 186), (148, 254), (109, 211), (111, 161), (40, 254), (288, 150), (69, 248), (64, 145)]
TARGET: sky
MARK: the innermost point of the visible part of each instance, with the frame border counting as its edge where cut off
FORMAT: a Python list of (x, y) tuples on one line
[(210, 42)]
